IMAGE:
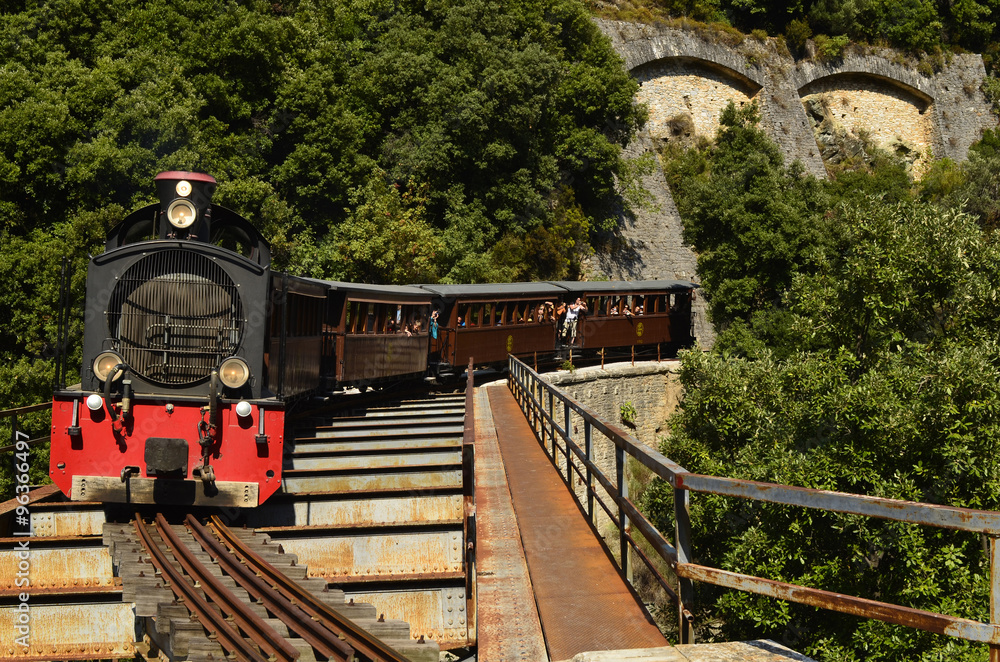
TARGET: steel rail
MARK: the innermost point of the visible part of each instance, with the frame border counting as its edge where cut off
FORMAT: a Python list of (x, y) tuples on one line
[(228, 636), (364, 643), (316, 634)]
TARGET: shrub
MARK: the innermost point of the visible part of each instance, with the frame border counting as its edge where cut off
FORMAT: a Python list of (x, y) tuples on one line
[(797, 34), (831, 48)]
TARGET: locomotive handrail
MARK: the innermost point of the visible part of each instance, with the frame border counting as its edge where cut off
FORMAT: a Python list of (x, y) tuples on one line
[(531, 392)]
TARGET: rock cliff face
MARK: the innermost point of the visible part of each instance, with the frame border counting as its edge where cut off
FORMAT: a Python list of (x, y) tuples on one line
[(814, 110)]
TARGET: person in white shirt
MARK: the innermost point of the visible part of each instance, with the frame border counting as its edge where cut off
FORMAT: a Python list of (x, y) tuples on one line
[(572, 316)]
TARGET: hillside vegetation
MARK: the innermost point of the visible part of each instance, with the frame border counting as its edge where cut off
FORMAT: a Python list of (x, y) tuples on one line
[(857, 352)]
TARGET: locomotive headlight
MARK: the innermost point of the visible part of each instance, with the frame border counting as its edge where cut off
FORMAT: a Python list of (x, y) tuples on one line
[(105, 363), (234, 372), (181, 214)]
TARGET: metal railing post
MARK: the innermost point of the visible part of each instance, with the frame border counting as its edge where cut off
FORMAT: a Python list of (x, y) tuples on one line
[(535, 393), (994, 592), (682, 518), (568, 435), (552, 429), (622, 487), (588, 441)]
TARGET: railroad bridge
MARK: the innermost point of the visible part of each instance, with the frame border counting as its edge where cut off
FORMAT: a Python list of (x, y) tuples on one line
[(464, 522)]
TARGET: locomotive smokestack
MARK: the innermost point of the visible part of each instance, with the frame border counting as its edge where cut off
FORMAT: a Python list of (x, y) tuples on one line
[(185, 204)]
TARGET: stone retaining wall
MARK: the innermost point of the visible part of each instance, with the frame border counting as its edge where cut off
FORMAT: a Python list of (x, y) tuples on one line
[(651, 388)]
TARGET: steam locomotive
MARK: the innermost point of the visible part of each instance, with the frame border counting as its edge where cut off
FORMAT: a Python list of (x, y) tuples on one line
[(194, 348)]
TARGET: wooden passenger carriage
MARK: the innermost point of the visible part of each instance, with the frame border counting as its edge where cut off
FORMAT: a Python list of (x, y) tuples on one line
[(489, 321), (375, 332)]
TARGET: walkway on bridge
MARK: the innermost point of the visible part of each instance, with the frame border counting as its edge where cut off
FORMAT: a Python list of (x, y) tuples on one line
[(583, 604)]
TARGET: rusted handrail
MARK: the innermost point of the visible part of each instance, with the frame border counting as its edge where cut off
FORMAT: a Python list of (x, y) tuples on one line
[(528, 387), (27, 409), (15, 432), (469, 491)]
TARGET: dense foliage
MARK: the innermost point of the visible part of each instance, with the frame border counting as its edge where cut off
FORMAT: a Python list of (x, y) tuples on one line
[(371, 140), (857, 353)]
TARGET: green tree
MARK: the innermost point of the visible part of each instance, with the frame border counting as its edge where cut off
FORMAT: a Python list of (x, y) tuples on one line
[(753, 221)]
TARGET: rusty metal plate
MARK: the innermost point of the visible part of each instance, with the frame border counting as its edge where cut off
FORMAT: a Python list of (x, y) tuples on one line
[(443, 407), (362, 512), (377, 555), (393, 418), (380, 431), (307, 446), (89, 522), (93, 630), (763, 650), (343, 462), (71, 567), (410, 480), (436, 613), (151, 490)]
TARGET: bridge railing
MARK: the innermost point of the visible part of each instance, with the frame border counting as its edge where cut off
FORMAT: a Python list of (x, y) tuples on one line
[(16, 434), (555, 415)]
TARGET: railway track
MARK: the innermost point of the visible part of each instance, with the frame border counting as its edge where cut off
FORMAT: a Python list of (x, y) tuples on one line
[(372, 528), (232, 595), (374, 502)]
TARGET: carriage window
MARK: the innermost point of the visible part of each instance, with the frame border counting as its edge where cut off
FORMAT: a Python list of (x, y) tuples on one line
[(360, 314)]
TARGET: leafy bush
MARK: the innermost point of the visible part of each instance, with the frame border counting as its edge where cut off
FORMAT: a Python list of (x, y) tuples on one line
[(628, 413), (797, 34), (831, 48)]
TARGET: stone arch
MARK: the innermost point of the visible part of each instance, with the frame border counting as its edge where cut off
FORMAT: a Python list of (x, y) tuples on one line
[(685, 96), (861, 105)]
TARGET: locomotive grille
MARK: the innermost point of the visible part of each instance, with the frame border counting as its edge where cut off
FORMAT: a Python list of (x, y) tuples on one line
[(175, 315)]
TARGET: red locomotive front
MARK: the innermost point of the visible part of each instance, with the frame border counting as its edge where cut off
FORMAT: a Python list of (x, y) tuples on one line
[(174, 404)]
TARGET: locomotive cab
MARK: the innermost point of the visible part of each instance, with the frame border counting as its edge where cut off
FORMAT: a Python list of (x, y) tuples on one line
[(173, 404)]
